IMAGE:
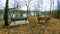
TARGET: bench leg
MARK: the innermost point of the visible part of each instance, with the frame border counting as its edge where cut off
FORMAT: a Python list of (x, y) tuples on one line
[(14, 21), (46, 21), (39, 21), (25, 21)]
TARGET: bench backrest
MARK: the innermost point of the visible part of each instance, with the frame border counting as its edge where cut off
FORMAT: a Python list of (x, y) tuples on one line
[(43, 18), (18, 19)]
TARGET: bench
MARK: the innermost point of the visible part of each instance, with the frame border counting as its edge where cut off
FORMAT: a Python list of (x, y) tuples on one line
[(18, 19), (43, 18)]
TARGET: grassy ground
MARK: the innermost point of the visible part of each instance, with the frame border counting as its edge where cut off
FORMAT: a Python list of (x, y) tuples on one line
[(53, 27)]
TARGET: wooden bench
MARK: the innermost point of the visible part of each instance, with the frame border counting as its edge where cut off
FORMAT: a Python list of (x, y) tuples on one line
[(43, 18)]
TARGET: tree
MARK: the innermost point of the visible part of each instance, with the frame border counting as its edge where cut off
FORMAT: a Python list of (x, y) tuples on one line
[(27, 3), (36, 10), (17, 6), (51, 13), (38, 7), (50, 8), (6, 14), (58, 13)]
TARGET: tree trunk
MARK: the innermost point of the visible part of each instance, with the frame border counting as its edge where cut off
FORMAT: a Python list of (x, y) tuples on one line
[(58, 10), (27, 12), (6, 14)]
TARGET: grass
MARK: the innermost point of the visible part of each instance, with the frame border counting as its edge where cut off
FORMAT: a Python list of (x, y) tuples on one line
[(53, 27)]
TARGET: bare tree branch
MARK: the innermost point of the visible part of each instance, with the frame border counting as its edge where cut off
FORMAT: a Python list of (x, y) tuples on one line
[(27, 3), (1, 3)]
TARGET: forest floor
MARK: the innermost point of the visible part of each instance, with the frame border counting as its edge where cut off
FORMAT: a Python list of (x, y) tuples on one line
[(53, 27)]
